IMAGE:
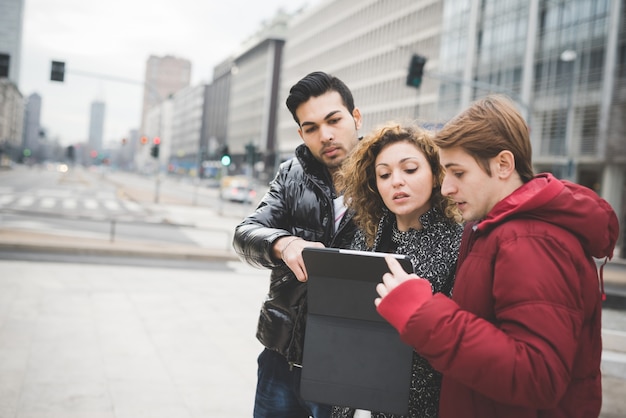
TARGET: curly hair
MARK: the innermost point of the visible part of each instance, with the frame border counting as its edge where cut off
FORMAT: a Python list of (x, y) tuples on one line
[(357, 176)]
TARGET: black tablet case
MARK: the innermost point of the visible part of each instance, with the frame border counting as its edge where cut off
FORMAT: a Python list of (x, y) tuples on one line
[(352, 356)]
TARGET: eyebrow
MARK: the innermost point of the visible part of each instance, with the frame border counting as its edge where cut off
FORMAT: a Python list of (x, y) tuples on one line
[(451, 165), (329, 115), (401, 161)]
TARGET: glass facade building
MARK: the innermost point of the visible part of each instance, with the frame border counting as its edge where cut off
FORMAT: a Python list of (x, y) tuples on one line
[(562, 61)]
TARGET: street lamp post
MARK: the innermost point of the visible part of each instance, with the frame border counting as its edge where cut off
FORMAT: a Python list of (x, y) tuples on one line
[(569, 56)]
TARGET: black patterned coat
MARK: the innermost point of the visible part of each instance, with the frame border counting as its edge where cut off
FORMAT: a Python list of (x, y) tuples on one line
[(433, 251)]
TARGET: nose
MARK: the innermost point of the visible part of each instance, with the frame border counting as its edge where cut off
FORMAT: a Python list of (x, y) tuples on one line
[(326, 133), (447, 187), (397, 179)]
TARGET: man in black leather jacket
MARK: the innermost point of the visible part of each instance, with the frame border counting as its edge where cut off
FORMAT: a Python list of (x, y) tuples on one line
[(301, 209)]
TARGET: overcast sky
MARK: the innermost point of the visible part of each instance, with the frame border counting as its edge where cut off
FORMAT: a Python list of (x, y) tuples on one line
[(115, 38)]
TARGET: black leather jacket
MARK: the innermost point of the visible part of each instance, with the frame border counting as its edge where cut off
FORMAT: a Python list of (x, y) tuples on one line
[(299, 202)]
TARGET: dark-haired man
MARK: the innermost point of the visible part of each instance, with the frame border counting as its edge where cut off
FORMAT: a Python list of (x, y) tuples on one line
[(301, 209)]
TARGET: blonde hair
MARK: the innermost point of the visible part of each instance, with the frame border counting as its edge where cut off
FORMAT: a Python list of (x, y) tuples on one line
[(357, 176)]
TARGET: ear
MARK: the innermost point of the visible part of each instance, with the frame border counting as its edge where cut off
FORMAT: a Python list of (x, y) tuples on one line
[(356, 114), (300, 133), (503, 164)]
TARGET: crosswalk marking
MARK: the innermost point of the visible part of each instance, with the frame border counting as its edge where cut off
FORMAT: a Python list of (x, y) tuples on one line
[(48, 202), (67, 202), (111, 205), (26, 201), (91, 204), (132, 206), (6, 199)]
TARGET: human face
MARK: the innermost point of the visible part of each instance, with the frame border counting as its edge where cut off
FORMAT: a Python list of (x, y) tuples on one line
[(328, 129), (468, 185), (405, 182)]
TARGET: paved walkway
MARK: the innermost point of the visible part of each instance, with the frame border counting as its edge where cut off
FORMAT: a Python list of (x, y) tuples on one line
[(124, 342)]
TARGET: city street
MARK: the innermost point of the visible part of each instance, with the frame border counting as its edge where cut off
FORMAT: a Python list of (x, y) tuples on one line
[(161, 320)]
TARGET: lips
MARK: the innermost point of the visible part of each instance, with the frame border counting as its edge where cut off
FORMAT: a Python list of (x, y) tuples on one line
[(331, 150), (401, 195)]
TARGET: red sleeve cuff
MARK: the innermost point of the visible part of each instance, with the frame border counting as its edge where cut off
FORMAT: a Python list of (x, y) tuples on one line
[(403, 301)]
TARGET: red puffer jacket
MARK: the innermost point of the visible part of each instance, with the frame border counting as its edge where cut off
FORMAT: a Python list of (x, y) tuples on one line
[(521, 336)]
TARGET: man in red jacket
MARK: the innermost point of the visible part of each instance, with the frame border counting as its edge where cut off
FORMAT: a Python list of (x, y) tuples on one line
[(521, 336)]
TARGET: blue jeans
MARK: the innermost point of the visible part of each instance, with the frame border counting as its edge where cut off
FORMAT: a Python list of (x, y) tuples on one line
[(278, 391)]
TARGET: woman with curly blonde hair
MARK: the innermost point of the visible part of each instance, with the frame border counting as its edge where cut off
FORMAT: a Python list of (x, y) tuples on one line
[(392, 181)]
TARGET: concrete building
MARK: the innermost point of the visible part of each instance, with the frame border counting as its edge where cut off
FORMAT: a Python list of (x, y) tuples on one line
[(217, 103), (158, 125), (564, 62), (254, 86), (11, 21), (368, 45), (164, 77), (32, 124), (96, 126), (187, 122), (11, 122)]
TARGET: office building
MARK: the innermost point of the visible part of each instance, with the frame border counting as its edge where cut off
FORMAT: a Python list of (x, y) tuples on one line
[(164, 77), (563, 62), (253, 103), (369, 46), (96, 127), (11, 22), (32, 123), (11, 122), (187, 118)]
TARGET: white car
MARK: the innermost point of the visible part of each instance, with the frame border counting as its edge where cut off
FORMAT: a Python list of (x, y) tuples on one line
[(237, 190)]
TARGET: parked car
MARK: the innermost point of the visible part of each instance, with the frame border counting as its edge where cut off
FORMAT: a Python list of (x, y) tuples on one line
[(237, 189)]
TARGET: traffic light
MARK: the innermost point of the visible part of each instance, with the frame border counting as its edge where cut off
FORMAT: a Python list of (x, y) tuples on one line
[(251, 153), (5, 60), (70, 153), (416, 71), (225, 159), (57, 71), (154, 151), (143, 140)]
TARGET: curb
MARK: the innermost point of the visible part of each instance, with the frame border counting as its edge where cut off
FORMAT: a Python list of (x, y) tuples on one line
[(11, 240)]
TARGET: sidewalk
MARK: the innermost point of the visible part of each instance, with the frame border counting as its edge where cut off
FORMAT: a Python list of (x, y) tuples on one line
[(180, 369)]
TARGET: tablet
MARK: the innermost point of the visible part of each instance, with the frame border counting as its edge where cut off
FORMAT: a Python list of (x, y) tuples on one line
[(352, 356)]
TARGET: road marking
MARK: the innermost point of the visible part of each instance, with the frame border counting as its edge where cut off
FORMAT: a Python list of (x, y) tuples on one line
[(69, 203), (48, 202), (111, 205), (91, 204), (132, 206), (25, 201), (6, 199)]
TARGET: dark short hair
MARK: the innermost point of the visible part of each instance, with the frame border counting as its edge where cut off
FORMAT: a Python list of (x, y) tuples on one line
[(313, 85)]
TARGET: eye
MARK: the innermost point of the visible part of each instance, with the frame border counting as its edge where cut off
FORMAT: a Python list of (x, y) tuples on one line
[(384, 176), (458, 174), (410, 170), (334, 121), (310, 129)]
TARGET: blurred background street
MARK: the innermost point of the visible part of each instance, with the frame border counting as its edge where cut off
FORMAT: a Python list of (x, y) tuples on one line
[(156, 318)]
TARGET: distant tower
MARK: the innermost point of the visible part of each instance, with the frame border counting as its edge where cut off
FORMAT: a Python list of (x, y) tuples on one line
[(32, 122), (164, 77), (96, 126), (11, 20)]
